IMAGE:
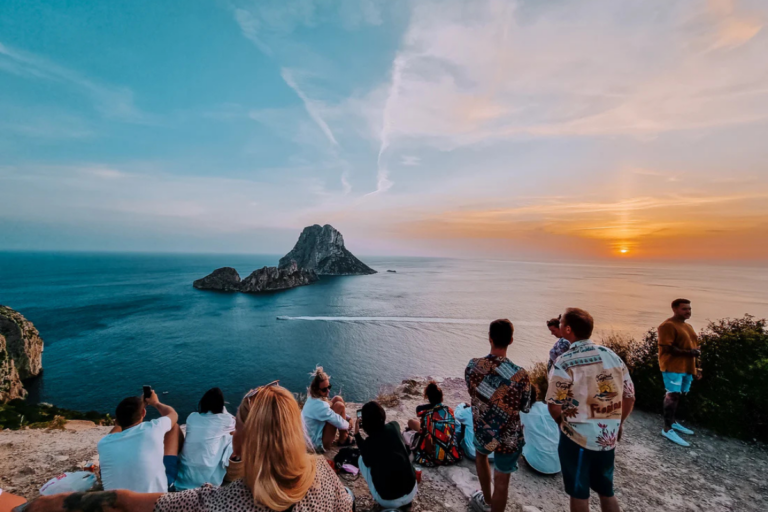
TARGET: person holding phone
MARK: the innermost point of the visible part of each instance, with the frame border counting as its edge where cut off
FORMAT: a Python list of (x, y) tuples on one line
[(138, 455), (384, 460)]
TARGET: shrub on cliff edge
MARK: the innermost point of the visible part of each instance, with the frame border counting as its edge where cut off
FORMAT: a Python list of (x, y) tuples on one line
[(731, 398)]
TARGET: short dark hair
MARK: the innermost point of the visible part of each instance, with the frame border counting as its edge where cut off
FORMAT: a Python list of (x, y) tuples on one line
[(212, 401), (501, 333), (580, 322), (676, 303), (553, 322), (433, 393), (533, 395), (129, 411), (373, 417)]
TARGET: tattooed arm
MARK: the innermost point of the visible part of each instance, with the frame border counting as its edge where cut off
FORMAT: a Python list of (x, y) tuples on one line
[(105, 501)]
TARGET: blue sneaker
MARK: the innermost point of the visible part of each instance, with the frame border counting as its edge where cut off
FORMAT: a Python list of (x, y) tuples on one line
[(672, 436), (682, 429)]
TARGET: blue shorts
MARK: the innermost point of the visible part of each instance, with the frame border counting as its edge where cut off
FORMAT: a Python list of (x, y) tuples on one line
[(503, 462), (171, 463), (677, 382)]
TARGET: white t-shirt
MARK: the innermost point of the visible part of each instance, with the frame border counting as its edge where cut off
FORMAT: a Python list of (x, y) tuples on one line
[(541, 439), (133, 459), (206, 451)]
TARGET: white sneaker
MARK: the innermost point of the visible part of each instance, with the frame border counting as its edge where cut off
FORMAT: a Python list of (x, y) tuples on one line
[(682, 429), (477, 502), (672, 436)]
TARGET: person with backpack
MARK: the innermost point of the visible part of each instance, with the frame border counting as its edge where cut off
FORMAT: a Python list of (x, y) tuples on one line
[(434, 443), (500, 390)]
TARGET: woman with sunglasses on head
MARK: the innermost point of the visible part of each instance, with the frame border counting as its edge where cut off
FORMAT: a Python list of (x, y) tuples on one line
[(325, 417), (279, 474)]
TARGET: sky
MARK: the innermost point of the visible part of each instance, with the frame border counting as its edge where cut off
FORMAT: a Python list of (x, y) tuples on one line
[(513, 129)]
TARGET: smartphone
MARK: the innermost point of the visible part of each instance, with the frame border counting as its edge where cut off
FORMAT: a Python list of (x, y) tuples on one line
[(147, 391), (360, 417)]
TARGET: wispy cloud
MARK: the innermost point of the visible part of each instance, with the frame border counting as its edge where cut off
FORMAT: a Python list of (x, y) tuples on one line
[(112, 101), (312, 107)]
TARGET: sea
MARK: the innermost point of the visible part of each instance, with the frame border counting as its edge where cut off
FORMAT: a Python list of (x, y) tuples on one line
[(115, 322)]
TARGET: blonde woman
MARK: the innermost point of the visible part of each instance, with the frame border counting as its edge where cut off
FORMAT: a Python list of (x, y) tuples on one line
[(325, 417), (279, 474)]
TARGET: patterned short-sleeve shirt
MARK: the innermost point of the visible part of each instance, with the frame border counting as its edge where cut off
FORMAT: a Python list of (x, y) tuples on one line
[(500, 390), (589, 382), (327, 494), (560, 347)]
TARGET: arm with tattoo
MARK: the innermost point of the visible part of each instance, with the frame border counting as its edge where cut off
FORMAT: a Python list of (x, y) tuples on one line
[(105, 501)]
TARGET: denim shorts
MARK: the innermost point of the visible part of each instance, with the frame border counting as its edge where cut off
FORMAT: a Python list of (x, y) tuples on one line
[(677, 382), (503, 462)]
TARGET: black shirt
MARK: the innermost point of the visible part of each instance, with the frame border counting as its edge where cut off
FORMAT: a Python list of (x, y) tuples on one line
[(385, 454)]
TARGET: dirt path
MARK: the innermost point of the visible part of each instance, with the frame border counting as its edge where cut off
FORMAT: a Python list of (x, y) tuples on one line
[(716, 474)]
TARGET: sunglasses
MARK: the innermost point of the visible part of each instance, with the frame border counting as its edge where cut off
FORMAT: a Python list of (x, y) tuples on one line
[(327, 388), (252, 393)]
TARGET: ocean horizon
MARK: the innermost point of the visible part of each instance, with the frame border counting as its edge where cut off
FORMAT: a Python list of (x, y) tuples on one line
[(113, 322)]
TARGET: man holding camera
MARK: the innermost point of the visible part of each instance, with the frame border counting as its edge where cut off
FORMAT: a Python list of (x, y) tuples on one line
[(138, 455), (678, 353)]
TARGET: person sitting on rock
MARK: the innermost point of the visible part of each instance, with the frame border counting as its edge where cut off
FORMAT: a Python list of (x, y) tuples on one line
[(384, 461), (324, 417), (279, 474), (140, 455), (542, 436), (435, 443), (208, 443)]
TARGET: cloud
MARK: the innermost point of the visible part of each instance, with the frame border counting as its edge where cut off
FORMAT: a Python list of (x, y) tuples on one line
[(410, 160), (111, 101), (491, 71), (250, 26), (267, 22), (312, 107)]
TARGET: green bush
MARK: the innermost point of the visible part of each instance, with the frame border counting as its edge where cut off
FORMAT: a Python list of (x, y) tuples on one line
[(732, 396), (18, 413)]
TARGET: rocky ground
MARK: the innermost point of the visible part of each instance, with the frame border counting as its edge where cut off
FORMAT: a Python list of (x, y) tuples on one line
[(715, 474)]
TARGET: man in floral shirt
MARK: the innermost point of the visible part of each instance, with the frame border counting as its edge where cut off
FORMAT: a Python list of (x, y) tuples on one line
[(500, 390), (590, 395)]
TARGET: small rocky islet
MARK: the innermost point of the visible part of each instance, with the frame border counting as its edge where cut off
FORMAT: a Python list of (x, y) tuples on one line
[(320, 251)]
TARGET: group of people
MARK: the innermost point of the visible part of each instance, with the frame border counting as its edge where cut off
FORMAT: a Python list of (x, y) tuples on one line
[(268, 457)]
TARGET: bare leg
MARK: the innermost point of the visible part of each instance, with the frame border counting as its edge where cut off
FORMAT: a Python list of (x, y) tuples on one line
[(671, 401), (340, 408), (414, 425), (609, 504), (173, 441), (500, 491), (337, 399), (579, 505), (329, 431), (484, 475)]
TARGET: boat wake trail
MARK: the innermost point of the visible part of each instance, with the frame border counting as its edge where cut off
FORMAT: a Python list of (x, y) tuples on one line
[(390, 319)]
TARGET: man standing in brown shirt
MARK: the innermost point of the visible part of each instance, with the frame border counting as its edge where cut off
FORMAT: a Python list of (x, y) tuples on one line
[(678, 350)]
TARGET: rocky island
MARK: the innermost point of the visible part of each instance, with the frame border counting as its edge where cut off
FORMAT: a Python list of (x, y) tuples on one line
[(267, 279), (320, 251), (21, 353)]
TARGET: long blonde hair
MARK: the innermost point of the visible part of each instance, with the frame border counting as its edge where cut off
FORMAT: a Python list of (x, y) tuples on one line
[(318, 376), (278, 469)]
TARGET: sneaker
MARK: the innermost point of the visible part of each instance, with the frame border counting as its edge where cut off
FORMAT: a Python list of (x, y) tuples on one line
[(477, 502), (682, 429), (672, 436)]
